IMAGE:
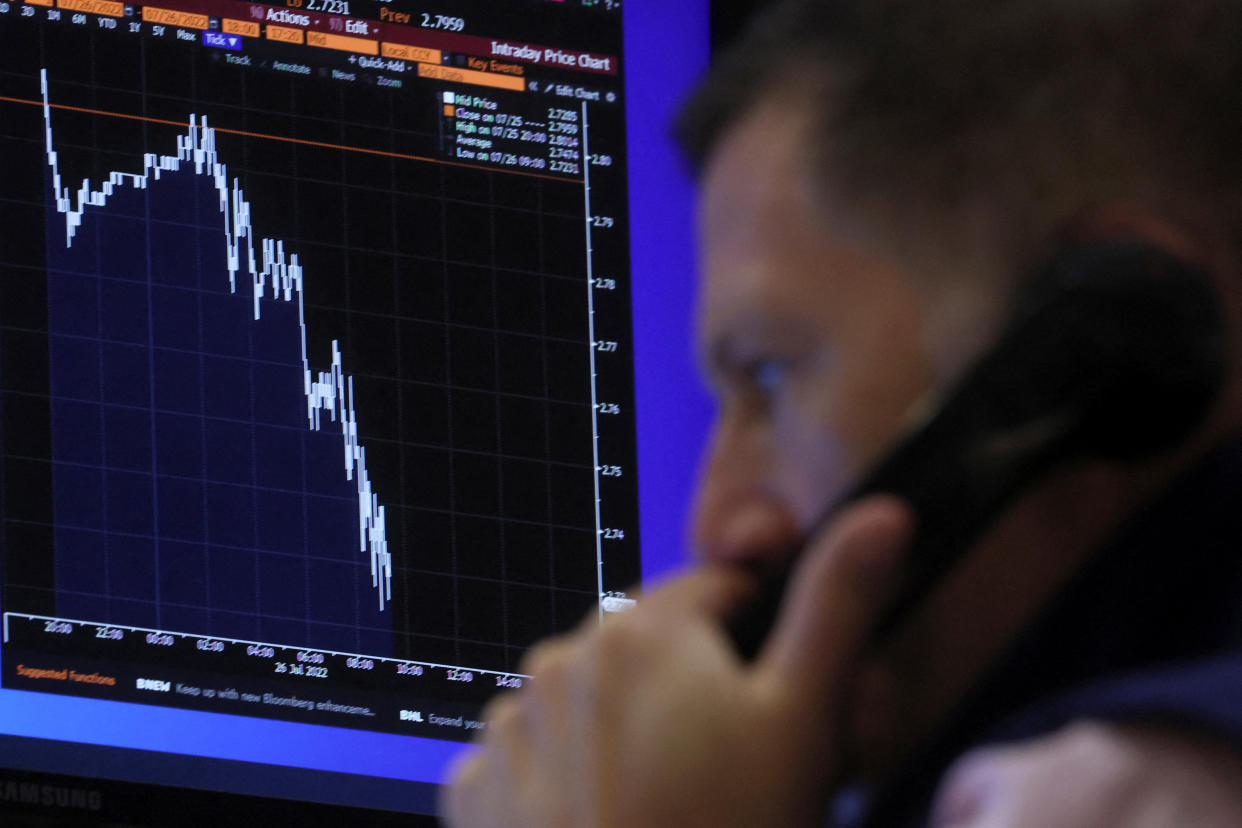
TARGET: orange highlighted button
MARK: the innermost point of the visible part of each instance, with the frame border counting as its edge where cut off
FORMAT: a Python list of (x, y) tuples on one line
[(341, 42), (107, 7), (168, 17), (284, 34), (245, 28), (415, 53), (448, 73), (47, 3)]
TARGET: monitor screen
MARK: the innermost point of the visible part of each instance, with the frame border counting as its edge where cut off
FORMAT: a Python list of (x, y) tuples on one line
[(343, 355)]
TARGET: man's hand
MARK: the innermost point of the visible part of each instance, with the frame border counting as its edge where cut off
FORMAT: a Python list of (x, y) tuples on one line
[(653, 720), (1089, 775)]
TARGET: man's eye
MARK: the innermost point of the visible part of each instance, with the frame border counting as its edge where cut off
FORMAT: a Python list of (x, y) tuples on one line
[(768, 376)]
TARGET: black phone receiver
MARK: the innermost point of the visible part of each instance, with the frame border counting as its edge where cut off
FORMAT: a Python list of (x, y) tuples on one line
[(1114, 349)]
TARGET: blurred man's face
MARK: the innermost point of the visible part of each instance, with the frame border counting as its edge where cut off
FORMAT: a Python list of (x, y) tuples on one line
[(812, 337)]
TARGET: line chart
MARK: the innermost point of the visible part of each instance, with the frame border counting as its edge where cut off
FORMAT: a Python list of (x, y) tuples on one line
[(327, 383)]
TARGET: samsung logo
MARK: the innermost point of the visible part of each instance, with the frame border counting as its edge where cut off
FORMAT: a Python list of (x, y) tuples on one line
[(50, 796)]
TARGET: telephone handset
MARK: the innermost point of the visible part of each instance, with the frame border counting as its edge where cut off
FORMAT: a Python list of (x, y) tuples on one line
[(1114, 349)]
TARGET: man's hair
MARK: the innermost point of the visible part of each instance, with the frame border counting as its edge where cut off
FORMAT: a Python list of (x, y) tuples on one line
[(1037, 105)]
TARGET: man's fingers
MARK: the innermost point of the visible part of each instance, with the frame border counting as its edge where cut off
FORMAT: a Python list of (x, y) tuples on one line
[(459, 801), (836, 589), (711, 591), (1093, 773)]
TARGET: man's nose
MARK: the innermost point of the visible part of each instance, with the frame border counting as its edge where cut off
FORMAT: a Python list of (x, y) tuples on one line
[(739, 517)]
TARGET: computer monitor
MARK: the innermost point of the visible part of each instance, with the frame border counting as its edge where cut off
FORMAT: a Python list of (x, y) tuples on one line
[(343, 355)]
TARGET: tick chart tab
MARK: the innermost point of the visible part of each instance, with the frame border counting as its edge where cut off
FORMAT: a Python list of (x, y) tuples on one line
[(316, 394)]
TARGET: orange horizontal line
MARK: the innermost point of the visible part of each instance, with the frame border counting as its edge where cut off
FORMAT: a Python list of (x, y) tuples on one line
[(399, 155)]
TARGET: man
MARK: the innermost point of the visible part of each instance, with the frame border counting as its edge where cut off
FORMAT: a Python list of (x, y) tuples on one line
[(876, 179)]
